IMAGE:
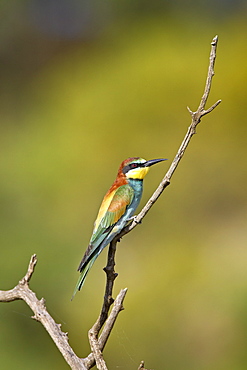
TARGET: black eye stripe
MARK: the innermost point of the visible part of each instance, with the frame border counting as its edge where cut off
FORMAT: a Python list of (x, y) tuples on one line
[(131, 166)]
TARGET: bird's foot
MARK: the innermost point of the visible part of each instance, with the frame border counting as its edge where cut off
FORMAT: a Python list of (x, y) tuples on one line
[(134, 218)]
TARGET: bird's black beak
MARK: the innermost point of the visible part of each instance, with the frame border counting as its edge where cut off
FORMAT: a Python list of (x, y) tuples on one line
[(153, 161)]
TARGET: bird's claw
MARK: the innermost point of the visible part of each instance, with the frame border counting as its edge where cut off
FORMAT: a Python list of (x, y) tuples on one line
[(134, 218)]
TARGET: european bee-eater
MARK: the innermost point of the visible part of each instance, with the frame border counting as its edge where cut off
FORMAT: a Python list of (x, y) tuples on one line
[(117, 208)]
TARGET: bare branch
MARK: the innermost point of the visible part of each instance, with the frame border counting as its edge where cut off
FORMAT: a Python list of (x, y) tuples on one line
[(102, 319), (110, 278), (105, 323), (22, 291), (30, 270), (204, 112), (116, 309), (97, 347), (195, 120), (94, 344), (18, 291), (210, 74)]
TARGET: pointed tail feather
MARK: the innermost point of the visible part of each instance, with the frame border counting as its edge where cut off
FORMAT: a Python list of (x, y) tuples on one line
[(83, 275)]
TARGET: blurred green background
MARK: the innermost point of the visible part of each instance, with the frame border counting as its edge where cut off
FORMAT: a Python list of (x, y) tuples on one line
[(84, 85)]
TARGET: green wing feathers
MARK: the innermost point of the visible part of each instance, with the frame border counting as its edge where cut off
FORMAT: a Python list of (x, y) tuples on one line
[(107, 218), (120, 201)]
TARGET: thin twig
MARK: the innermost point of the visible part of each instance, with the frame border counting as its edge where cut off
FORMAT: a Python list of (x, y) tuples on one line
[(209, 76), (195, 120), (30, 270)]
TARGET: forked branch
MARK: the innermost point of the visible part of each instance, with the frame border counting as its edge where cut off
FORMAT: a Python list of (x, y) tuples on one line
[(105, 321), (22, 291), (195, 120)]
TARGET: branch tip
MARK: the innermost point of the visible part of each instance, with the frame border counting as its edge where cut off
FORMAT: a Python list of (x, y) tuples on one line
[(30, 270), (215, 40), (141, 367), (204, 112), (190, 111)]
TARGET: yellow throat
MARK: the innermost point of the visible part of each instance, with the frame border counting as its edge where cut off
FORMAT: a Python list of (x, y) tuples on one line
[(137, 173)]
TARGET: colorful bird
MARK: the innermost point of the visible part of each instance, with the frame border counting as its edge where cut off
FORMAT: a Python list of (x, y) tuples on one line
[(117, 208)]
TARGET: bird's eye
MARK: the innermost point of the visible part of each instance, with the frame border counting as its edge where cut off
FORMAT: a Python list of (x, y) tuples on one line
[(133, 165)]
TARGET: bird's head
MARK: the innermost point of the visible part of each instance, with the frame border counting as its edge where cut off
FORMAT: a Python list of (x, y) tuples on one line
[(136, 167)]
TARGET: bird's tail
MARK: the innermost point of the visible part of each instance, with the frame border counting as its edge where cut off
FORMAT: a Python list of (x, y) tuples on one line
[(83, 275)]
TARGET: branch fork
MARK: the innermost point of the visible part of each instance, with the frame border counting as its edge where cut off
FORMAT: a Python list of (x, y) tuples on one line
[(101, 330)]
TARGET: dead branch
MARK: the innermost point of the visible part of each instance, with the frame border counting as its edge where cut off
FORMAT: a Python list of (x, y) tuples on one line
[(22, 291), (105, 321), (195, 120), (93, 333)]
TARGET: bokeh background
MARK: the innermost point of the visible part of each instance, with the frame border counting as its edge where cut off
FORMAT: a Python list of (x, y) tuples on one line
[(84, 85)]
